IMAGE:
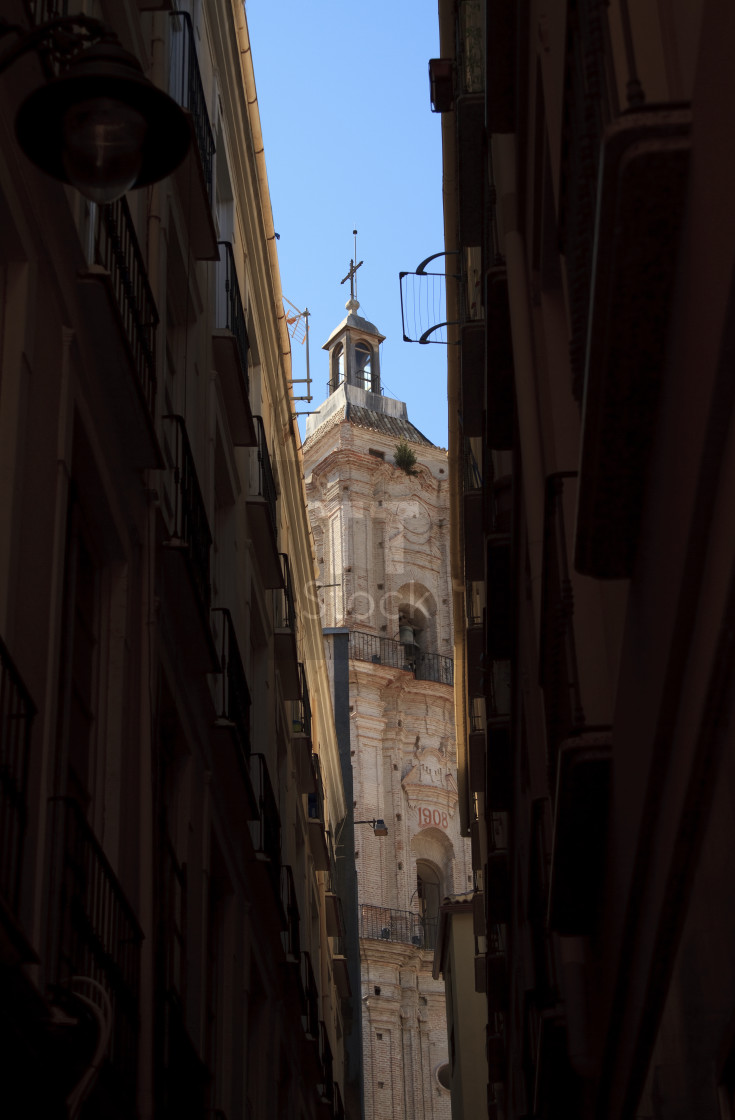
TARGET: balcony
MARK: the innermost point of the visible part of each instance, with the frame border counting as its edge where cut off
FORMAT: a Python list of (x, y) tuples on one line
[(326, 1084), (475, 636), (499, 765), (499, 369), (624, 181), (310, 1014), (291, 934), (265, 830), (341, 968), (471, 160), (472, 503), (122, 319), (94, 935), (332, 902), (380, 923), (339, 1108), (171, 921), (499, 598), (195, 177), (262, 514), (301, 741), (233, 717), (231, 345), (284, 634), (16, 716), (316, 819), (187, 550), (472, 369), (573, 671), (385, 651), (497, 886), (489, 739)]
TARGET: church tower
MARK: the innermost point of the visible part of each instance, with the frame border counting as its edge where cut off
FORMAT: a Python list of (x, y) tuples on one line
[(381, 532)]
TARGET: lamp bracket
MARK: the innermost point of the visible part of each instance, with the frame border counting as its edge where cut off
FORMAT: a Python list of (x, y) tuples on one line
[(59, 40)]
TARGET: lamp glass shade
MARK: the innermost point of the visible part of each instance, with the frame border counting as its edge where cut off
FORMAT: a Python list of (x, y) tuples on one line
[(103, 147), (103, 126)]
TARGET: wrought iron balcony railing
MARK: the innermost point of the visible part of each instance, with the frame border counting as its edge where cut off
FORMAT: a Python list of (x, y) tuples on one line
[(16, 715), (316, 799), (172, 919), (266, 830), (385, 651), (310, 1016), (291, 935), (284, 607), (471, 469), (326, 1086), (380, 923), (229, 310), (235, 695), (93, 933), (41, 11), (265, 484), (185, 86), (316, 818), (191, 530), (301, 709), (116, 249)]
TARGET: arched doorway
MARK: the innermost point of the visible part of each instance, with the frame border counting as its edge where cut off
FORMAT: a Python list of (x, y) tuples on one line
[(429, 892)]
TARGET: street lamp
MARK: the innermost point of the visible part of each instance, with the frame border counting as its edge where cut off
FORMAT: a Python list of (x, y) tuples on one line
[(378, 824), (101, 125)]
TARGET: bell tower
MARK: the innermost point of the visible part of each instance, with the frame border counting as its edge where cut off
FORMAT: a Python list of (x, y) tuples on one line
[(354, 352), (380, 523)]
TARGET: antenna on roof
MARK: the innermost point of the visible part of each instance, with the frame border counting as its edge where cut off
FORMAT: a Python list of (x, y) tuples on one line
[(298, 328)]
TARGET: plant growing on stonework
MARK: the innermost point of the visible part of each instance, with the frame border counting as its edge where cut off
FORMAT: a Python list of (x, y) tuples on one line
[(405, 458)]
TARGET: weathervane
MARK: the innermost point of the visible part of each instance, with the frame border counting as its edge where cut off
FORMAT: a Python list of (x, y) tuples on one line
[(353, 269)]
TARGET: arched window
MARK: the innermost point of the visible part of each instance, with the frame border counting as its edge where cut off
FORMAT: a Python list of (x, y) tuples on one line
[(364, 366), (338, 367), (429, 892)]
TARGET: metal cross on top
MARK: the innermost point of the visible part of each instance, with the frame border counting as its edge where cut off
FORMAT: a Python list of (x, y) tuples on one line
[(353, 269)]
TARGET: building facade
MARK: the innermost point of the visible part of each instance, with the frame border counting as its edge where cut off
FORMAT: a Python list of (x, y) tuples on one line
[(170, 941), (381, 539), (454, 960), (591, 247)]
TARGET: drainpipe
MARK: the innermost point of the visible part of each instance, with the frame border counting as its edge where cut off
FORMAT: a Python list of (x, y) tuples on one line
[(456, 555), (251, 95), (146, 809)]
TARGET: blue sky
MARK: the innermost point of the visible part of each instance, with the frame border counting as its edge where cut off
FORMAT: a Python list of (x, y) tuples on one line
[(351, 142)]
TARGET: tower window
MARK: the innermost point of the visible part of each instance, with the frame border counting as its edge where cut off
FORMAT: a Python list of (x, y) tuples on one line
[(363, 366), (338, 367)]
